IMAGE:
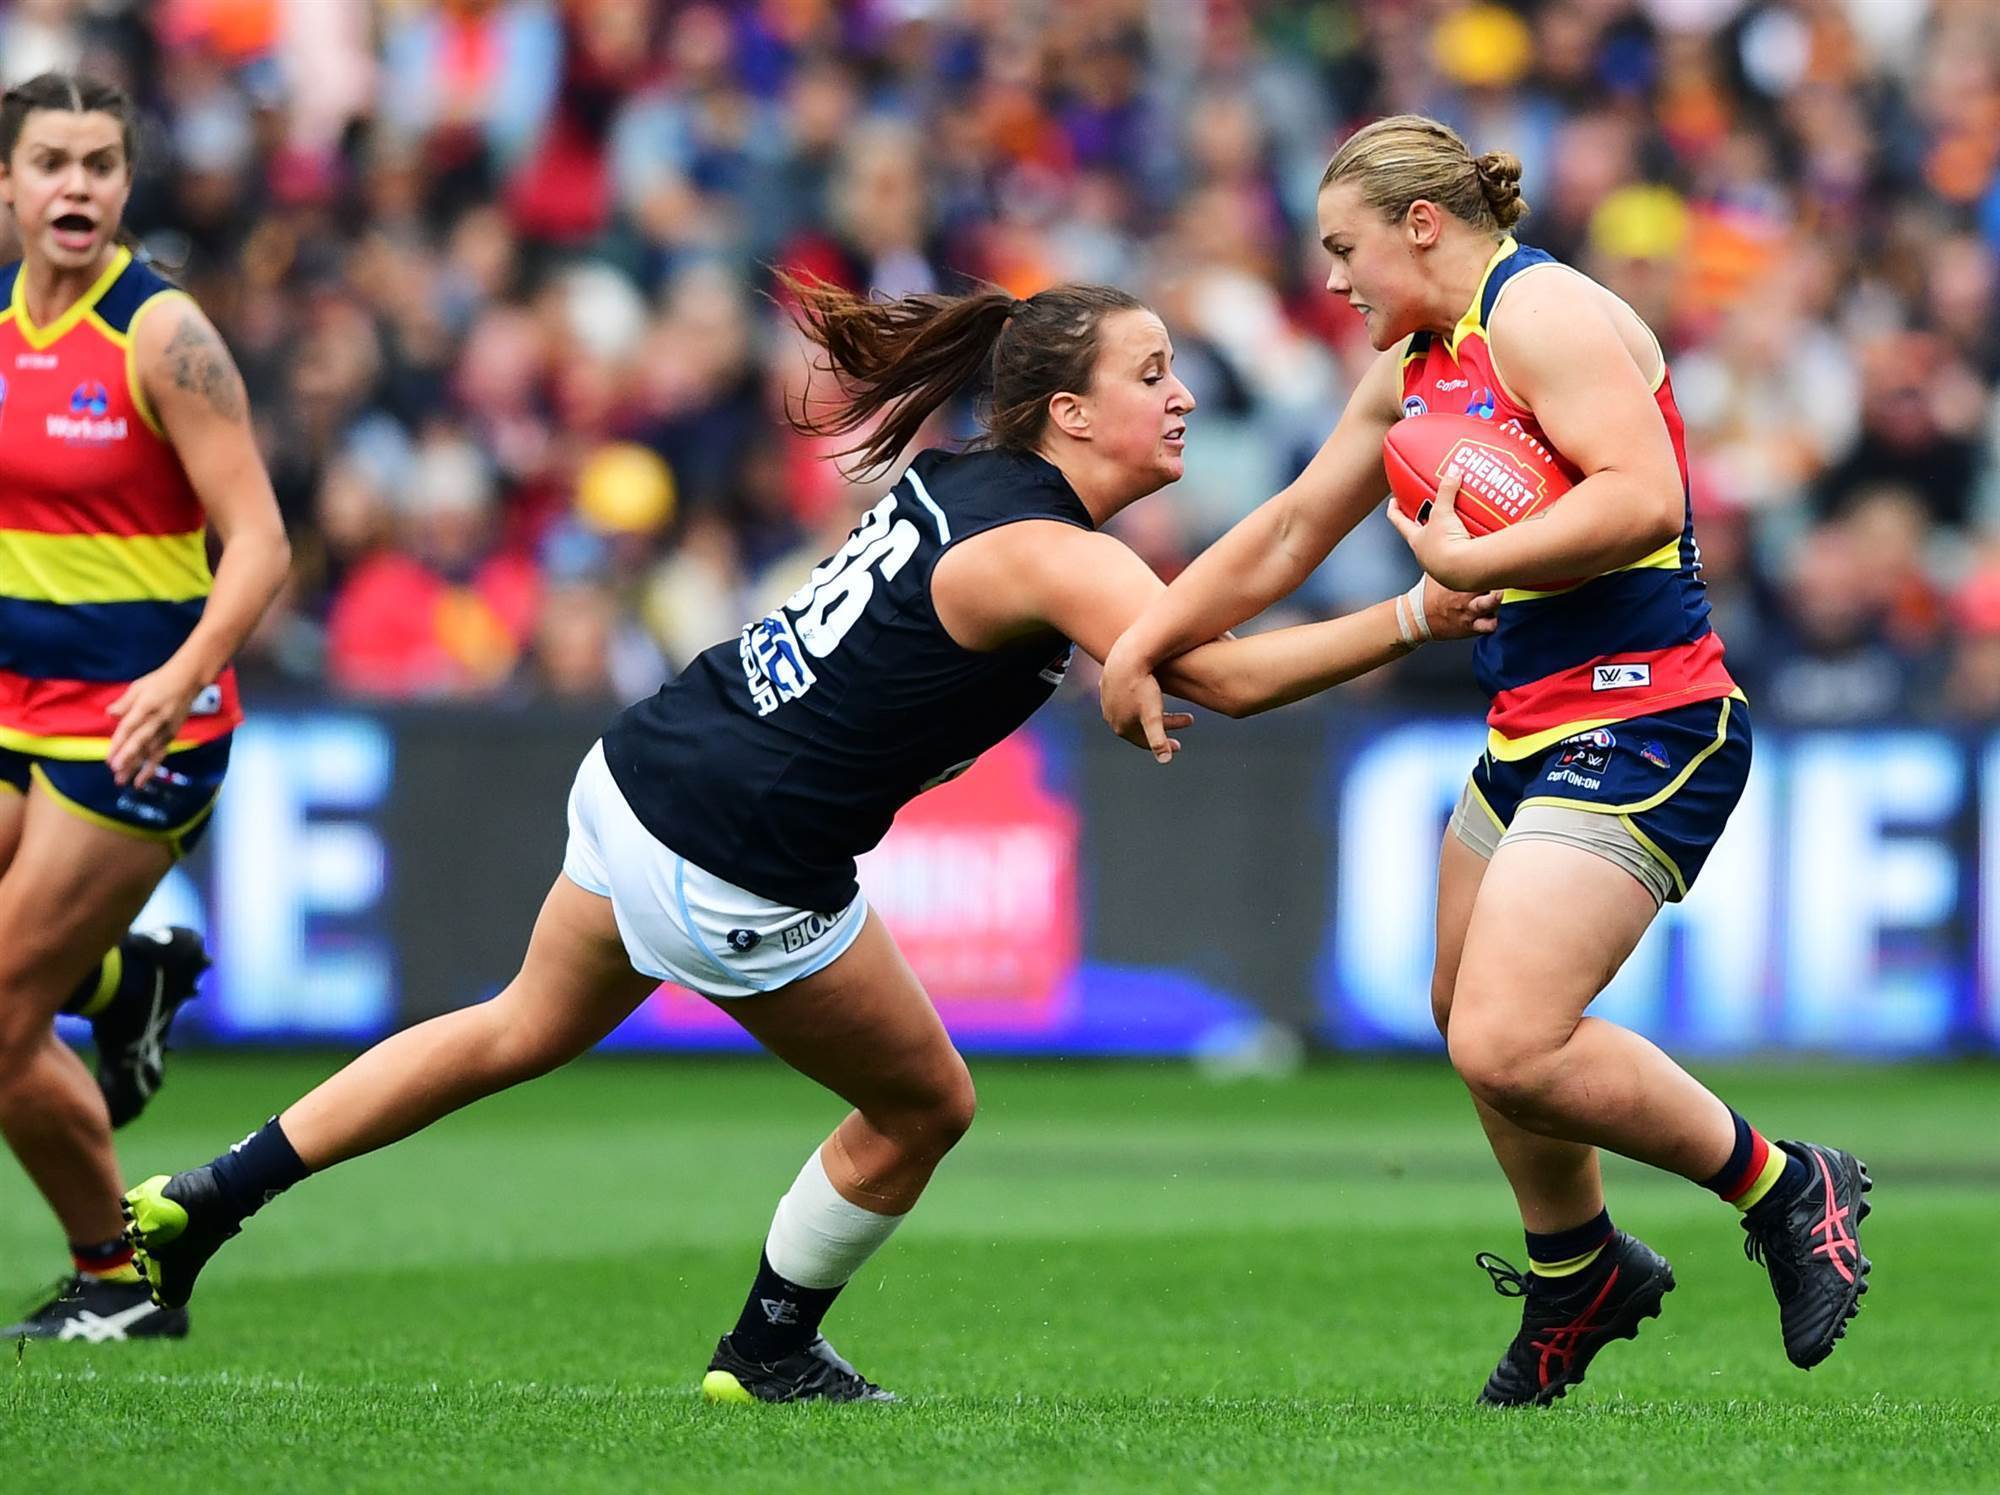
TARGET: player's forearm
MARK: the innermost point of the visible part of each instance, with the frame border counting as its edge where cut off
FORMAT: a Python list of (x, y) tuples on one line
[(1236, 578), (1607, 521), (248, 576), (1242, 677)]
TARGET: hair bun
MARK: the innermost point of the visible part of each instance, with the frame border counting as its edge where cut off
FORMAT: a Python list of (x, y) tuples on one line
[(1500, 183)]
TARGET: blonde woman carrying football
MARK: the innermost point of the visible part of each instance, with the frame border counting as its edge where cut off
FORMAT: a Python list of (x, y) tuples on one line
[(1618, 745)]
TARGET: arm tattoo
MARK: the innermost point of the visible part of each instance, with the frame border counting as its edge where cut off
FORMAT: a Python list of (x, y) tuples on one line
[(199, 363)]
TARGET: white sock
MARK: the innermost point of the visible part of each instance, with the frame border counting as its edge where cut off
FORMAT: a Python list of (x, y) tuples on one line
[(817, 1238)]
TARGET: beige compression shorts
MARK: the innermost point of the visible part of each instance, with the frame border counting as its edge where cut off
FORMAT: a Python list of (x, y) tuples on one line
[(1603, 835)]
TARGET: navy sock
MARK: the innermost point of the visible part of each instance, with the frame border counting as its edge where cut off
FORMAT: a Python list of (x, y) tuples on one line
[(1756, 1170), (1560, 1253), (779, 1317), (126, 968), (258, 1169)]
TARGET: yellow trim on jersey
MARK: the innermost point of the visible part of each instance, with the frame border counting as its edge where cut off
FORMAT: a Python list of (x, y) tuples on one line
[(171, 839), (129, 341), (40, 338), (1493, 354), (71, 569), (1513, 749), (1651, 802), (1666, 558), (75, 749), (1470, 322)]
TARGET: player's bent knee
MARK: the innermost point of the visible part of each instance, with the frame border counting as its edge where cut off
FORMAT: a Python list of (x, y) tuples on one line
[(957, 1104), (1508, 1073), (929, 1124)]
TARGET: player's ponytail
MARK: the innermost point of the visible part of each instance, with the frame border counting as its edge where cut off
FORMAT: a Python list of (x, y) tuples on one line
[(69, 93), (1410, 157), (902, 359)]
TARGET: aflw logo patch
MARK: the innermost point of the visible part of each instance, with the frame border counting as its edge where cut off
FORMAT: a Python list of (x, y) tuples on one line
[(1620, 676)]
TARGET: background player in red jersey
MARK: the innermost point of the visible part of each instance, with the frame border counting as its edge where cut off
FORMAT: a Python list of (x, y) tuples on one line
[(124, 436), (714, 830), (1618, 743)]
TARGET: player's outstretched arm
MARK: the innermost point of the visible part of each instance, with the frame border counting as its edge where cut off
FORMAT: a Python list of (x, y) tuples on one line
[(1560, 354), (1268, 554), (1041, 575), (197, 396)]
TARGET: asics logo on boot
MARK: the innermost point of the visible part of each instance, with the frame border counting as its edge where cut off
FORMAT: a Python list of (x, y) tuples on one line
[(104, 1328)]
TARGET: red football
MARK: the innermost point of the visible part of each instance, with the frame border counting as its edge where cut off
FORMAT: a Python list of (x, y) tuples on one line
[(1504, 473)]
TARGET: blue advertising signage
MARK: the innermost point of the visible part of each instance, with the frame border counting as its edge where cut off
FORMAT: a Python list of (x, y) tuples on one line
[(1851, 904), (365, 871)]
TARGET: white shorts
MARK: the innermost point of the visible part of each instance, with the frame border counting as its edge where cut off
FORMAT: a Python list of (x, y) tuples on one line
[(682, 924)]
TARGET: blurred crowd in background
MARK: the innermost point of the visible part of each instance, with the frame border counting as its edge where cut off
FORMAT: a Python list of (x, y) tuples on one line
[(496, 274)]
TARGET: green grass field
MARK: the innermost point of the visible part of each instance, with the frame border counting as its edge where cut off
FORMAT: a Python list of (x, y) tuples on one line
[(1127, 1279)]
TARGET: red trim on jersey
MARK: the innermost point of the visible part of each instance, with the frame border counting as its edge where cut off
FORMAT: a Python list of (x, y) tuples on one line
[(92, 512), (1678, 676), (79, 709)]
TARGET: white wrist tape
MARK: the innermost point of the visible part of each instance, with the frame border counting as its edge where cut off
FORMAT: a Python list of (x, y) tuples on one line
[(1411, 624)]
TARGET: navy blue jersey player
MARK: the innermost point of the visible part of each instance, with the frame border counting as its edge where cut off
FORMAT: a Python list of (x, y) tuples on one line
[(714, 830)]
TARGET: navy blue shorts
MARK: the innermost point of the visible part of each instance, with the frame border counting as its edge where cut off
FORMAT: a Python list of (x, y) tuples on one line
[(171, 807), (1671, 779)]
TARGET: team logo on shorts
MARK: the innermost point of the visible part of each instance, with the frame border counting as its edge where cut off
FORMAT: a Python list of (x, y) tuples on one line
[(1654, 754), (743, 941)]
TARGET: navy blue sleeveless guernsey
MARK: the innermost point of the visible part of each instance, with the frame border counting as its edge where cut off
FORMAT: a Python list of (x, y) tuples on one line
[(780, 756)]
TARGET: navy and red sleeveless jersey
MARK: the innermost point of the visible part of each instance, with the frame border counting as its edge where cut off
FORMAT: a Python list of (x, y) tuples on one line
[(103, 543), (1632, 642)]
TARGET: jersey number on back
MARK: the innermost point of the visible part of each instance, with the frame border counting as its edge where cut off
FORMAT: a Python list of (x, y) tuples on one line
[(839, 588), (773, 651)]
